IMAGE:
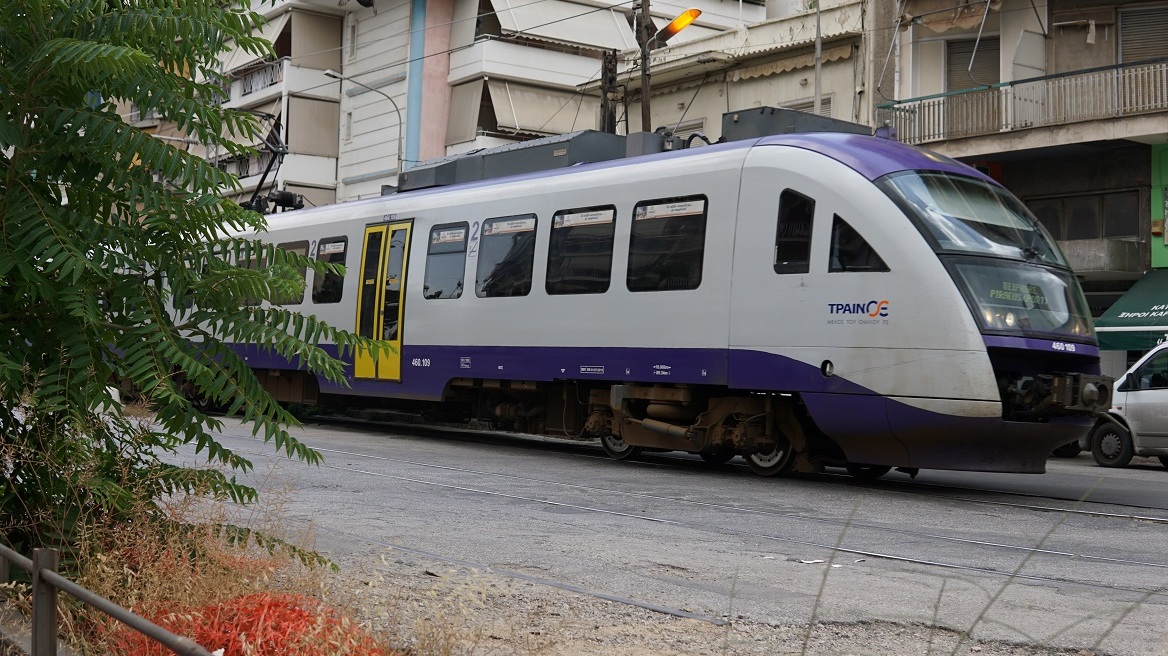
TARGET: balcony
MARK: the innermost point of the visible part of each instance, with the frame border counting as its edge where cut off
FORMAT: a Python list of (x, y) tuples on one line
[(1054, 100), (268, 75), (493, 58), (271, 80)]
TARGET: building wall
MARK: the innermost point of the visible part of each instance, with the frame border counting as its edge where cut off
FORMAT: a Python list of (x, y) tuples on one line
[(684, 105), (1117, 168), (376, 53), (1022, 32), (1020, 25), (1159, 205), (1074, 45), (435, 89), (881, 79), (1083, 184)]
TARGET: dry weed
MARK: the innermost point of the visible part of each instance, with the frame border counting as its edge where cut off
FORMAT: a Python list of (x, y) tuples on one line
[(204, 560), (449, 613)]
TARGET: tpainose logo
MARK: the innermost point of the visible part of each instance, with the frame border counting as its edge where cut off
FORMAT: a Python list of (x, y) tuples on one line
[(871, 308)]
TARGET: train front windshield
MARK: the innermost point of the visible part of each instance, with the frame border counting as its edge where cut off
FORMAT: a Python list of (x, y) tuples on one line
[(1014, 277)]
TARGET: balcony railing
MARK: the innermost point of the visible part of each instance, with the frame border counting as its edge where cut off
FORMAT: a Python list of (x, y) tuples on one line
[(266, 76), (243, 168), (1114, 91)]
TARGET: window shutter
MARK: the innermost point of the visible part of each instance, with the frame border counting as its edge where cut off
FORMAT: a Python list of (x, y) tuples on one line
[(986, 66), (1141, 34)]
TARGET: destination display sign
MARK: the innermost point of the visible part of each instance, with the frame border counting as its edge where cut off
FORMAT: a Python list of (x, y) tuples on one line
[(595, 217), (509, 226), (669, 210), (450, 236)]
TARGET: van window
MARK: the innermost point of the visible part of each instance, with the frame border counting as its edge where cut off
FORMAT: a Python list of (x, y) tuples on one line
[(850, 251), (580, 252), (445, 261), (329, 287), (1153, 374), (667, 244), (506, 256), (793, 241)]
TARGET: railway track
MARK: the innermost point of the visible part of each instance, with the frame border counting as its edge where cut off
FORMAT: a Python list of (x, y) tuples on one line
[(877, 541), (917, 489)]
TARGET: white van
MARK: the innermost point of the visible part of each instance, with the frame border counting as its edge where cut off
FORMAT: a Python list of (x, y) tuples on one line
[(1138, 418)]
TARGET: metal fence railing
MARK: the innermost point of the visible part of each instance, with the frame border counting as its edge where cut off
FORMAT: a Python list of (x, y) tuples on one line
[(1114, 91), (46, 583), (267, 76)]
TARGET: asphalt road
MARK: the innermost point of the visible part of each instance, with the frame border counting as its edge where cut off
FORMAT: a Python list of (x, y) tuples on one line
[(1077, 557)]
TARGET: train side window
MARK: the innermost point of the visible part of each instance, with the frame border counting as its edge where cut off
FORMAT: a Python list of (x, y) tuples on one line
[(253, 258), (667, 244), (329, 287), (506, 256), (445, 261), (850, 251), (793, 241), (580, 252), (294, 294)]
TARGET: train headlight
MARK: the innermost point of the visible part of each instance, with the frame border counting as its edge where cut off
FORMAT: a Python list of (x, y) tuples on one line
[(1011, 320), (989, 316)]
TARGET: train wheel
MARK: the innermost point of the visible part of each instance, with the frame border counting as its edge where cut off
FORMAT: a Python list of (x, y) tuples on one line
[(717, 456), (780, 459), (617, 449), (867, 472), (1111, 445)]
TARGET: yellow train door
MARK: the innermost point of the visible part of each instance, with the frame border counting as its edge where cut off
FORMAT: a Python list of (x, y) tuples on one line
[(381, 300)]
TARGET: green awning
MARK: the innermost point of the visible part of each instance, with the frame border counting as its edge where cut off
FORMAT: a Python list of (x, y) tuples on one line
[(1138, 321)]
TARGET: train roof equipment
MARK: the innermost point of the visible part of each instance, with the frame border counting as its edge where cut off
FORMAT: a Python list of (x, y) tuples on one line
[(585, 146)]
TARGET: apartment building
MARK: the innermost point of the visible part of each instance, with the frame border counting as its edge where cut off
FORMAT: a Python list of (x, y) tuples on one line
[(770, 63), (414, 80), (1063, 101), (297, 106), (517, 70)]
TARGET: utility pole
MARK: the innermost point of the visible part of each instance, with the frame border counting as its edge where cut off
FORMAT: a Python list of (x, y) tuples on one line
[(818, 58), (608, 92), (645, 33), (647, 37)]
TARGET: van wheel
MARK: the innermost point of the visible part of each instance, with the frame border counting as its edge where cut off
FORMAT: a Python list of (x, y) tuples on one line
[(618, 449), (1111, 445)]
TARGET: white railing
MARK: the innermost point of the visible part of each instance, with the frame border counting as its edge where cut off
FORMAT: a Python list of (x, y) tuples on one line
[(243, 168), (267, 76), (1123, 90)]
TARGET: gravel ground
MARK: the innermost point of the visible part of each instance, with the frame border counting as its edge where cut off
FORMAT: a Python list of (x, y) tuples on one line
[(434, 608)]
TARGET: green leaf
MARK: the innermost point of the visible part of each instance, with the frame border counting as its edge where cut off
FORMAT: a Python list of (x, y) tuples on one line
[(102, 229)]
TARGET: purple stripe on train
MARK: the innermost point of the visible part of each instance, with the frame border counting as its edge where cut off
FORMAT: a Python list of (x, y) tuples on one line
[(858, 418), (1033, 344)]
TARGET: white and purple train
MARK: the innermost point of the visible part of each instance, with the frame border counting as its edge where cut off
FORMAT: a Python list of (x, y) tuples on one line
[(803, 300)]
